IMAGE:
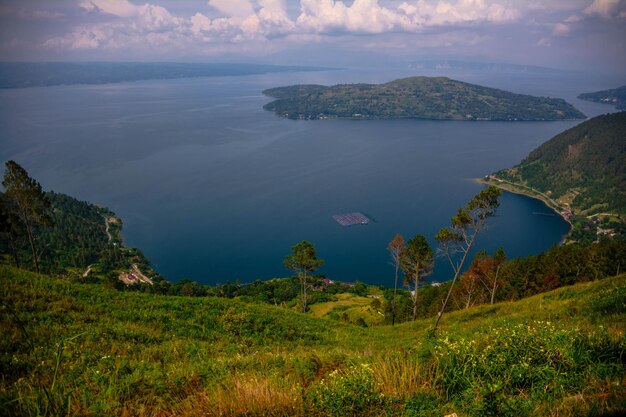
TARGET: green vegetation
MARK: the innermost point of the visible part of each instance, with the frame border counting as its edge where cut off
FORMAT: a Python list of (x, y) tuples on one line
[(616, 97), (416, 97), (24, 207), (58, 234), (83, 349), (493, 278), (417, 263), (582, 171), (456, 241), (303, 261), (96, 343)]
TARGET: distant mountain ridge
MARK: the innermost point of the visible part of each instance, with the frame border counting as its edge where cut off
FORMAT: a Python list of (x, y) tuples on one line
[(42, 74), (439, 98), (615, 96)]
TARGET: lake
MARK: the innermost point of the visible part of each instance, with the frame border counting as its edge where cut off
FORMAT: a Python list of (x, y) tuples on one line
[(213, 188)]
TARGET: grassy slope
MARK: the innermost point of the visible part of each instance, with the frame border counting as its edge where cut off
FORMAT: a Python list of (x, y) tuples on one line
[(77, 349)]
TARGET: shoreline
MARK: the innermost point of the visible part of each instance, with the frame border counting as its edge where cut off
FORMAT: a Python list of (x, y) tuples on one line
[(519, 189)]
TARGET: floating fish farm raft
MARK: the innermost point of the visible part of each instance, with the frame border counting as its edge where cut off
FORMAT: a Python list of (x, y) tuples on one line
[(349, 219)]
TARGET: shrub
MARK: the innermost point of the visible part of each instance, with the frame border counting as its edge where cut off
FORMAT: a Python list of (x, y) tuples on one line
[(346, 393)]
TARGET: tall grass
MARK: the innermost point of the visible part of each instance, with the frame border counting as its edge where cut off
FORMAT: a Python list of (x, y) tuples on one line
[(73, 349)]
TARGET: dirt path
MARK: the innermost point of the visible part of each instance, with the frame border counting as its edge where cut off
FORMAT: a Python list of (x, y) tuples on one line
[(140, 275), (107, 222)]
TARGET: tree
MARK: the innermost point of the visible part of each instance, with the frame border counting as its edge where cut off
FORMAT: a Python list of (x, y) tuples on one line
[(10, 230), (488, 270), (468, 291), (456, 241), (416, 262), (303, 261), (396, 248), (26, 202)]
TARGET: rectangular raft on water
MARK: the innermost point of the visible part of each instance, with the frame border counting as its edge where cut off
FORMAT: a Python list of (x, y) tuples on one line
[(349, 219)]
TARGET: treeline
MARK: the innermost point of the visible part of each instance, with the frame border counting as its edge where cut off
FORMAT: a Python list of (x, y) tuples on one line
[(283, 292), (515, 278)]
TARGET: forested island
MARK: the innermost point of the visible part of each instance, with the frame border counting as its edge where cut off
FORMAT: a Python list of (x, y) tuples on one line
[(438, 98), (581, 173), (615, 96)]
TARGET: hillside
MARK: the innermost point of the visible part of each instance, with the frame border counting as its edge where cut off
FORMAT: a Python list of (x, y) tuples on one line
[(83, 349), (582, 169), (615, 96), (417, 97)]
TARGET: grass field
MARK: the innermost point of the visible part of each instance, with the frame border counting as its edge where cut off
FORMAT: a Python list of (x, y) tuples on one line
[(83, 349)]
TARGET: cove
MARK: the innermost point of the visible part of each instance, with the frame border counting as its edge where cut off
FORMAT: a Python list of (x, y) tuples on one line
[(213, 188)]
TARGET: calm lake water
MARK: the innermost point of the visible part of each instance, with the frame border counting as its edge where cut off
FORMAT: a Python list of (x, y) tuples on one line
[(213, 188)]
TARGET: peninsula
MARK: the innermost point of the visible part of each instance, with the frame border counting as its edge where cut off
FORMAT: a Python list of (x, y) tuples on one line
[(580, 173), (438, 98), (615, 96)]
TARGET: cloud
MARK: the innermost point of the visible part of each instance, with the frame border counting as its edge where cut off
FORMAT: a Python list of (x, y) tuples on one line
[(604, 8), (251, 24), (138, 25), (260, 20), (233, 8), (121, 8), (368, 16)]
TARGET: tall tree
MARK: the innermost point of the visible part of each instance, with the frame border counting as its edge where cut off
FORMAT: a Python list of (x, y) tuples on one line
[(396, 248), (456, 241), (488, 271), (468, 290), (26, 202), (303, 261), (10, 230), (416, 262)]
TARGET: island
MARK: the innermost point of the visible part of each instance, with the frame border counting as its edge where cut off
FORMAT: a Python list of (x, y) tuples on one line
[(615, 96), (581, 174), (438, 98)]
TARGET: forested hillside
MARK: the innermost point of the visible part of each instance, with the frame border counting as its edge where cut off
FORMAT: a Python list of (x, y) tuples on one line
[(582, 169), (58, 234)]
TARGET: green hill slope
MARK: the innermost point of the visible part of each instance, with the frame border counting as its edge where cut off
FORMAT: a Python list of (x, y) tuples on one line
[(416, 97), (81, 349), (582, 169)]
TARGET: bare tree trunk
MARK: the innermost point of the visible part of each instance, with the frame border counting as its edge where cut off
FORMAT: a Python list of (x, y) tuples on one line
[(457, 270), (31, 241), (14, 251), (304, 299), (415, 298), (495, 285), (395, 290)]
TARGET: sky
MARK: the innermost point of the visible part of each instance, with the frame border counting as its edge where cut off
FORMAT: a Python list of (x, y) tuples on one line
[(569, 34)]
